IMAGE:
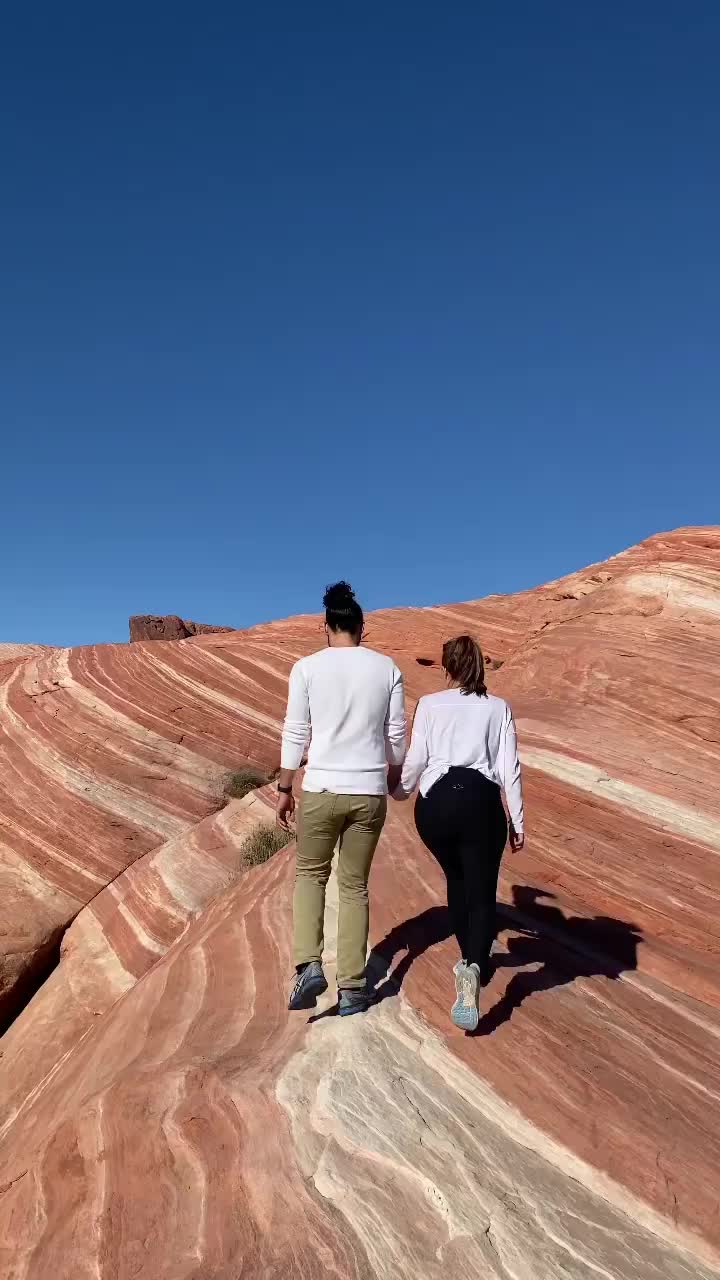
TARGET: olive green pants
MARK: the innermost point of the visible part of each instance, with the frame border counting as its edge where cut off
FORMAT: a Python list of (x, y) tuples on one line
[(355, 823)]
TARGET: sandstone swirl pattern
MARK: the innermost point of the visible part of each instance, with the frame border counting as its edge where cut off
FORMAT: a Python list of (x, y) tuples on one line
[(160, 1116)]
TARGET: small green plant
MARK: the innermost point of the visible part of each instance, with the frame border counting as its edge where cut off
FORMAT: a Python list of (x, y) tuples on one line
[(242, 782), (262, 843)]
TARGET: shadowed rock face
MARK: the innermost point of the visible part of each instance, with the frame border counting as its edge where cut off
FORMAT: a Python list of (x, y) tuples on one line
[(160, 1114), (150, 626)]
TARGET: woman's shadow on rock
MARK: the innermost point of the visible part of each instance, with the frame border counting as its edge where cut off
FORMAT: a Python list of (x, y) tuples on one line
[(560, 949)]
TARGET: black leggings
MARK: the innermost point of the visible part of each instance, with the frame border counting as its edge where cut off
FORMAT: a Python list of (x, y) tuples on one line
[(462, 822)]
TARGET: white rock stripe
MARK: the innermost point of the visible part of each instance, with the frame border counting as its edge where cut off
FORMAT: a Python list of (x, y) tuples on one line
[(17, 869), (191, 769), (381, 1111), (697, 592), (258, 658), (668, 814), (472, 619), (113, 797), (204, 693), (88, 939), (191, 1168)]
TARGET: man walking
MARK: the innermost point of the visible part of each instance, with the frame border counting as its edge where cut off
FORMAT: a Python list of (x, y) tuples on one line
[(348, 702)]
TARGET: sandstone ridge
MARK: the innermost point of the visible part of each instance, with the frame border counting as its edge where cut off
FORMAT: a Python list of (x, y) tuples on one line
[(162, 1117)]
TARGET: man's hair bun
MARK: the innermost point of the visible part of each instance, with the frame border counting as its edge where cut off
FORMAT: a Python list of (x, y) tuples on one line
[(339, 596), (342, 611)]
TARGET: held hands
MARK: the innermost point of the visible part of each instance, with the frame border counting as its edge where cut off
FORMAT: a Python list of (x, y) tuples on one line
[(517, 840), (285, 811), (393, 778)]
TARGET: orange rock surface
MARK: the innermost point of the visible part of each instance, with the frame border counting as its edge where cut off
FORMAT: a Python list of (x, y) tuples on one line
[(162, 1117)]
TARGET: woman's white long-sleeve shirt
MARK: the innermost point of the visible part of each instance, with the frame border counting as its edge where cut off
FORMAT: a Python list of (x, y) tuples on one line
[(453, 729)]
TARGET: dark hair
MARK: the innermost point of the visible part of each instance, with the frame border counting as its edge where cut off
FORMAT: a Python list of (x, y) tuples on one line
[(462, 659), (342, 611)]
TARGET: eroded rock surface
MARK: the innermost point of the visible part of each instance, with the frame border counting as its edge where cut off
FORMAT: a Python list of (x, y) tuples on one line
[(168, 626), (161, 1115)]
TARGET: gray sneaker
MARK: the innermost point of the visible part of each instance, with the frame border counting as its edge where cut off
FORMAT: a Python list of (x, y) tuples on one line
[(465, 1013), (353, 1001), (309, 984)]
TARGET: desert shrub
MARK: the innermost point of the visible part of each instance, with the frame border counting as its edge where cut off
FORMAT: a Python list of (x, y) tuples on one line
[(242, 782), (262, 843)]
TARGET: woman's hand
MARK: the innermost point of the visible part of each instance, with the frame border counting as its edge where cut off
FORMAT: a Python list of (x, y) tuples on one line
[(517, 840)]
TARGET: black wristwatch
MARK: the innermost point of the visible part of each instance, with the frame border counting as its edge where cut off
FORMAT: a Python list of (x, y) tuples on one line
[(284, 791)]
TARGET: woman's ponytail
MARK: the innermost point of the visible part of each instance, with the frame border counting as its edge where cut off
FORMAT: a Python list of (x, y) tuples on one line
[(463, 660)]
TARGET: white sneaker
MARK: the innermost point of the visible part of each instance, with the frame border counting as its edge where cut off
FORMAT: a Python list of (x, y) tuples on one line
[(465, 1013)]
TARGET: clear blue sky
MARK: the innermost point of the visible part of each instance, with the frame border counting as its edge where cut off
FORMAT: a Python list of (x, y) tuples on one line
[(422, 295)]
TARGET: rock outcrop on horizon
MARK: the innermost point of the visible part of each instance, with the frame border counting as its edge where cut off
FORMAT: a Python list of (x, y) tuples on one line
[(168, 626), (161, 1115)]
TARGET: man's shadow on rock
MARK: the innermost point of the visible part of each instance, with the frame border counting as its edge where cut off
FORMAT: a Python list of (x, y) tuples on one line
[(562, 949), (414, 937)]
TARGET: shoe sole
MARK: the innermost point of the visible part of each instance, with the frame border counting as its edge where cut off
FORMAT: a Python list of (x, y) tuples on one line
[(308, 997), (465, 1016)]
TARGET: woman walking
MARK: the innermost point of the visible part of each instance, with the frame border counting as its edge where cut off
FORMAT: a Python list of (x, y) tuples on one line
[(463, 752)]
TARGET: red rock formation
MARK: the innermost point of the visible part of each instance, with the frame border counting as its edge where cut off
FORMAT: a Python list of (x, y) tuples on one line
[(11, 655), (150, 626), (161, 1116)]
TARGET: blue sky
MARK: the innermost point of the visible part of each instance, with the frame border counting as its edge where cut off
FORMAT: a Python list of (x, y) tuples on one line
[(421, 295)]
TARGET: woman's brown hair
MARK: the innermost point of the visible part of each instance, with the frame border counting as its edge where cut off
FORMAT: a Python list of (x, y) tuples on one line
[(462, 659)]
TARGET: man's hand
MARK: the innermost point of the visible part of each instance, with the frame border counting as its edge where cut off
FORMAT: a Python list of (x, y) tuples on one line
[(285, 811), (517, 840)]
